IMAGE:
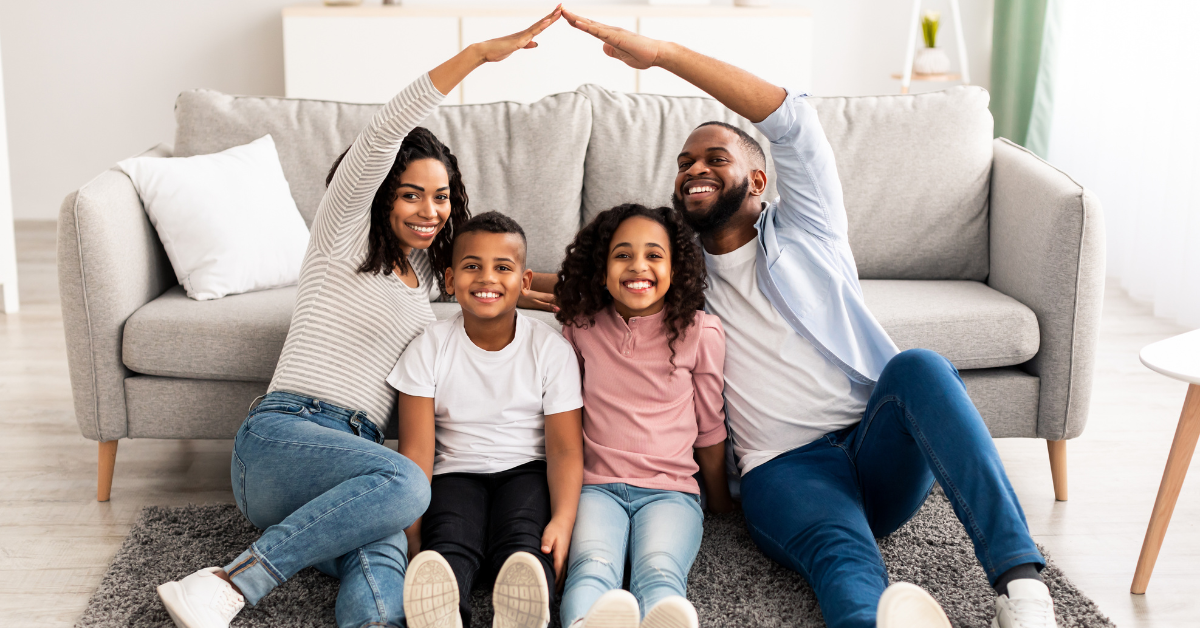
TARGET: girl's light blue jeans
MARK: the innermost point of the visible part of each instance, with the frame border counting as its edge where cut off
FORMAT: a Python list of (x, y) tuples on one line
[(658, 530), (326, 493)]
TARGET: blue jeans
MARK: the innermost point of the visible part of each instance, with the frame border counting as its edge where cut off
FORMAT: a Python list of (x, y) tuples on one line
[(819, 508), (660, 530), (328, 494)]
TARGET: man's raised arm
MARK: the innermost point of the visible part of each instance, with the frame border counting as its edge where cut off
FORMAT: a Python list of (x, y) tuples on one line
[(744, 93)]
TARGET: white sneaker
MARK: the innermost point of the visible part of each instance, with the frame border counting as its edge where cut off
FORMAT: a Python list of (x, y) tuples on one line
[(1027, 605), (672, 612), (615, 609), (201, 600), (521, 598), (431, 593), (905, 605)]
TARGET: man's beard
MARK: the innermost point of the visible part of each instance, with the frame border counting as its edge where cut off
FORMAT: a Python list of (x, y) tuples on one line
[(719, 214)]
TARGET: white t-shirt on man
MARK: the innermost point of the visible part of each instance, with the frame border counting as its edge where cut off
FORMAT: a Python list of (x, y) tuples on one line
[(489, 407), (780, 392)]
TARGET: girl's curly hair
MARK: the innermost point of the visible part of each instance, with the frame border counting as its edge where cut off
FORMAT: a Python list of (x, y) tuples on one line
[(383, 245), (581, 291)]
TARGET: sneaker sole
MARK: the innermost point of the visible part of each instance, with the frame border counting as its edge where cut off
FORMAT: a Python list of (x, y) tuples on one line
[(430, 592), (613, 611), (905, 605), (521, 598), (172, 596), (671, 613)]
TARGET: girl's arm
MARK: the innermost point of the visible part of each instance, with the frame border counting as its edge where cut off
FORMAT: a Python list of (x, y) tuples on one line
[(344, 215), (712, 467), (564, 472), (415, 425), (708, 380)]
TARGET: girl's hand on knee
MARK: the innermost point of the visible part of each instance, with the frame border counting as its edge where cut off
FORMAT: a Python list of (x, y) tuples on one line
[(556, 540)]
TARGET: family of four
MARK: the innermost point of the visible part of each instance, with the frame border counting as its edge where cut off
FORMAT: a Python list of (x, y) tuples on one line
[(550, 462)]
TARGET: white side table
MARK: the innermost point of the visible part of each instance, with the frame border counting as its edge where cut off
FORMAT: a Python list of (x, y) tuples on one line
[(1179, 358)]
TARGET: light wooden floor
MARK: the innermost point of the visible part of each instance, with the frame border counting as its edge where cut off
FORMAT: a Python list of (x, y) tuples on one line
[(56, 540)]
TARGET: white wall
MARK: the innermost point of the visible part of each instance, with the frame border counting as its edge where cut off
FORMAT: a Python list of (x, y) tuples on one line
[(89, 83)]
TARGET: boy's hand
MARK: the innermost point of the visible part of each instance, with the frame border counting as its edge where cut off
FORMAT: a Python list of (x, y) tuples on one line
[(556, 540), (720, 504)]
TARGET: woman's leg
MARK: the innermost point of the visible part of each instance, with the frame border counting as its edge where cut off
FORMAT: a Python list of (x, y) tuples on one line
[(598, 544), (318, 492), (372, 578), (455, 526), (667, 527)]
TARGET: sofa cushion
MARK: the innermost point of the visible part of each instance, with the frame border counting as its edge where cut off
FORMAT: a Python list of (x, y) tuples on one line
[(238, 337), (971, 324), (914, 169), (523, 160)]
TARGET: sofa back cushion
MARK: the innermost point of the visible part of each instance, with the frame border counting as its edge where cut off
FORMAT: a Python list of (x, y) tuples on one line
[(915, 170), (526, 161)]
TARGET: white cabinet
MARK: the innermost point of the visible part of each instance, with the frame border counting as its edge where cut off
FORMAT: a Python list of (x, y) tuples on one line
[(369, 53)]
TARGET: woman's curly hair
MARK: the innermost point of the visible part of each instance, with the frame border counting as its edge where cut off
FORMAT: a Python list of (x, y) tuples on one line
[(581, 291), (383, 245)]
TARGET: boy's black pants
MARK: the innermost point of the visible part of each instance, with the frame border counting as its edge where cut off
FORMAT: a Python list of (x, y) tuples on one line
[(477, 520)]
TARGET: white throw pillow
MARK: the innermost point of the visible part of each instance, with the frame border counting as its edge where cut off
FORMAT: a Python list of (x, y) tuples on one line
[(227, 220)]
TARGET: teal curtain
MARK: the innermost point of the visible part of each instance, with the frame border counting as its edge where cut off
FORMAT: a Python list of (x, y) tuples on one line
[(1023, 37)]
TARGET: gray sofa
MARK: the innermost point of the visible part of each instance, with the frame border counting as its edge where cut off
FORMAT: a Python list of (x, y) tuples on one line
[(966, 245)]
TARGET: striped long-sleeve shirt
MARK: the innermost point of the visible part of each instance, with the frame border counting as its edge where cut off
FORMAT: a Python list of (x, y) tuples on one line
[(349, 328)]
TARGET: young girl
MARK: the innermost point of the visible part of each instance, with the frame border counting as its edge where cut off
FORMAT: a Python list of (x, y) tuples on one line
[(629, 294)]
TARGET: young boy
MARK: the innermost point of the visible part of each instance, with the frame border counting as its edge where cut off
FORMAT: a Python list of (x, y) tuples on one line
[(490, 409)]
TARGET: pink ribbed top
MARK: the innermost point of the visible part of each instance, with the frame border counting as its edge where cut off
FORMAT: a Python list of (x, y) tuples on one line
[(641, 417)]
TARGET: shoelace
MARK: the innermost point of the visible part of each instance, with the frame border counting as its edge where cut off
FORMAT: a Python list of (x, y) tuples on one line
[(1031, 613), (228, 603)]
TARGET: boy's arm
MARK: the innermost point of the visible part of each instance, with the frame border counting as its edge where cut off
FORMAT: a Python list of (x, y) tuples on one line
[(712, 468), (805, 171), (415, 425), (564, 473)]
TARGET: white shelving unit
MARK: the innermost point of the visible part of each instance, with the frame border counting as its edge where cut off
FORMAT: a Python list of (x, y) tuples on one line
[(907, 76), (369, 53)]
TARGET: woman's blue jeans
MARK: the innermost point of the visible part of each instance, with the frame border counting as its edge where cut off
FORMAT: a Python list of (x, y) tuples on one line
[(659, 530), (326, 493), (818, 509)]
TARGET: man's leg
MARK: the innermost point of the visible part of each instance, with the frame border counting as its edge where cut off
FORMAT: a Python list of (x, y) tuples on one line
[(803, 511), (919, 426), (455, 526), (598, 545)]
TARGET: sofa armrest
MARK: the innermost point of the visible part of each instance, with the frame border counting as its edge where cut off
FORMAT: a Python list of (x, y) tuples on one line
[(110, 263), (1047, 251)]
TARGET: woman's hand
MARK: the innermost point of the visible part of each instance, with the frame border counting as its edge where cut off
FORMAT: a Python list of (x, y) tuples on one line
[(500, 48), (449, 74), (556, 540), (637, 51)]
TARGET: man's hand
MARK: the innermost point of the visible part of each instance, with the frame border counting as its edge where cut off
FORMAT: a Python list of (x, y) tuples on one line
[(556, 540), (534, 300), (637, 51)]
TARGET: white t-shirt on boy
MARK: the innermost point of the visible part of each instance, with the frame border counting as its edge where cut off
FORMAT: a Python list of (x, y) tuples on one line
[(489, 407)]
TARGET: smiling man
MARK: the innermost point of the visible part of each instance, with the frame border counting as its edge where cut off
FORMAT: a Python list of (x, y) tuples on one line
[(838, 436)]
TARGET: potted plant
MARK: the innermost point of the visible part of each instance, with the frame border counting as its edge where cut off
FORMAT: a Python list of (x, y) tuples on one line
[(931, 59)]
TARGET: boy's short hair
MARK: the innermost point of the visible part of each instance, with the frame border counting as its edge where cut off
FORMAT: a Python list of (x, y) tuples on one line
[(492, 222)]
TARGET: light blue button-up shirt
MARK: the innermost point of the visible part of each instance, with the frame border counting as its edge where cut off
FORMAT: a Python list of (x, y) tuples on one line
[(805, 267)]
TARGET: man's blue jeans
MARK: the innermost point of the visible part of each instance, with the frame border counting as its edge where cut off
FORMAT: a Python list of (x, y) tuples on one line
[(328, 494), (659, 530), (818, 509)]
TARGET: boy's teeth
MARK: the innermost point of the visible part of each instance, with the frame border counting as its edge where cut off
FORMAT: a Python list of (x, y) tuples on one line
[(487, 295)]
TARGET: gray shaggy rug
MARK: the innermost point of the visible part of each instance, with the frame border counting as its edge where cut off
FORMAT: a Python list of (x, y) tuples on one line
[(731, 583)]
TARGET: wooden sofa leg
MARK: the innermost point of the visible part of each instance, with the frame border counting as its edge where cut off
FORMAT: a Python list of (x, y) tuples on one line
[(104, 470), (1058, 467)]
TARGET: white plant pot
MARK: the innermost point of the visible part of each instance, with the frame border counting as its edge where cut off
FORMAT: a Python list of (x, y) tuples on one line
[(931, 61)]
